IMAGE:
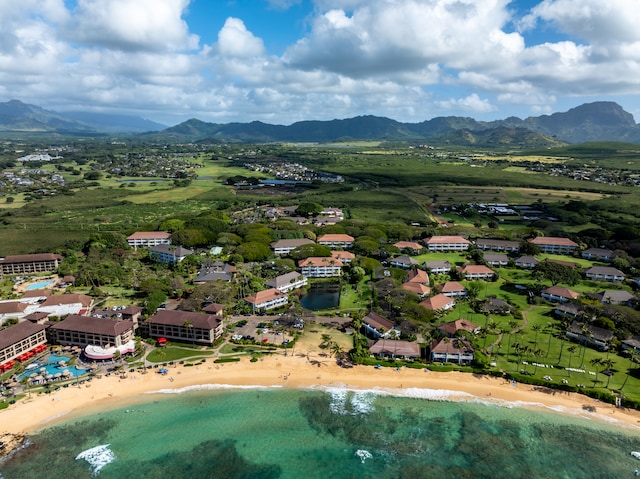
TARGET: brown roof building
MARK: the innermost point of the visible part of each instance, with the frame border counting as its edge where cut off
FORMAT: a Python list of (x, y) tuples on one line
[(76, 330), (439, 302), (390, 348), (185, 326), (30, 263), (19, 339)]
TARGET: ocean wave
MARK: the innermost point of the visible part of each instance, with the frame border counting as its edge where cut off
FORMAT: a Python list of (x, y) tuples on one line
[(209, 387), (97, 457), (351, 402)]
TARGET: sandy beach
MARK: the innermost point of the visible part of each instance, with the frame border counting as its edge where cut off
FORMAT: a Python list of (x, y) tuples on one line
[(110, 392)]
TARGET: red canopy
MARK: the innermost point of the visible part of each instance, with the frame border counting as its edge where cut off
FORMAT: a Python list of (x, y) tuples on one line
[(162, 340)]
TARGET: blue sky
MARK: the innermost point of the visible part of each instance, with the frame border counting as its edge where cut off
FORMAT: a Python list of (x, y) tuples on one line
[(282, 61)]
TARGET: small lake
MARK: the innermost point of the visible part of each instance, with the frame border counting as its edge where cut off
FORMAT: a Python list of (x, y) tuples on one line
[(321, 296)]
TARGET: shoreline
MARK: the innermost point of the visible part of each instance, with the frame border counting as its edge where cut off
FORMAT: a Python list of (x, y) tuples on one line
[(45, 410)]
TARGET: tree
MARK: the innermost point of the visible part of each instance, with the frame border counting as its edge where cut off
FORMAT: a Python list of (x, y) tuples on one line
[(254, 251), (632, 359), (556, 273), (572, 349), (10, 199), (608, 364), (595, 362), (309, 208), (310, 250), (189, 325)]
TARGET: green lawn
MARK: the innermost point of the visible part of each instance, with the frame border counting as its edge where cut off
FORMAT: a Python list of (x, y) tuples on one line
[(163, 355)]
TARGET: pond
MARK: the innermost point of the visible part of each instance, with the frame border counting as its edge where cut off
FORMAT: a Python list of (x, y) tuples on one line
[(321, 296)]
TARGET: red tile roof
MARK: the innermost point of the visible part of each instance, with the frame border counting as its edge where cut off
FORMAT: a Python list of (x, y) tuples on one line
[(552, 240)]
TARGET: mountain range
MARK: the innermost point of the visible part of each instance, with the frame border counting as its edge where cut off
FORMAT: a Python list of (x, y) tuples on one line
[(18, 117), (598, 121)]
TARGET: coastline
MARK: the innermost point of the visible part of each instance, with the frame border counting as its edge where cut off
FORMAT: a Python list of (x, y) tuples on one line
[(44, 410)]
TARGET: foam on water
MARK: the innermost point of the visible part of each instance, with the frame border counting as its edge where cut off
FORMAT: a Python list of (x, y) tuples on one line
[(344, 401), (363, 455), (208, 387), (97, 457)]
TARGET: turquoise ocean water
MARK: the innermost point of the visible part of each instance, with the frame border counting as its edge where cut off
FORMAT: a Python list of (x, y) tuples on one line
[(283, 433)]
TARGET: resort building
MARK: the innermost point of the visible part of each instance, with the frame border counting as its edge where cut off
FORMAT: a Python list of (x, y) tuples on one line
[(418, 288), (453, 289), (438, 266), (447, 243), (34, 296), (477, 271), (19, 341), (410, 247), (439, 302), (185, 326), (526, 262), (12, 309), (69, 303), (217, 271), (288, 282), (598, 254), (488, 244), (590, 335), (604, 273), (146, 239), (320, 267), (284, 247), (497, 260), (215, 309), (336, 241), (554, 245), (169, 254), (404, 262), (558, 294), (82, 331), (452, 350), (616, 296), (378, 326), (267, 299), (418, 276), (345, 256), (391, 348), (451, 328), (30, 263)]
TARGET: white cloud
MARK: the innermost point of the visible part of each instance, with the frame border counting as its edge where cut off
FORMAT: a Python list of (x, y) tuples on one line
[(234, 40), (595, 21), (383, 57), (132, 25), (387, 36), (471, 103)]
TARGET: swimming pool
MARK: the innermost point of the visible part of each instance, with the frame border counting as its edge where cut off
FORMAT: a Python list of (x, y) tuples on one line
[(40, 285), (52, 367)]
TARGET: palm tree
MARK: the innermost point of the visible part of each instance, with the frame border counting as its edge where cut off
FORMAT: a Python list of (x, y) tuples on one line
[(549, 343), (189, 325), (595, 362), (337, 350), (632, 359), (536, 328), (572, 349), (608, 364)]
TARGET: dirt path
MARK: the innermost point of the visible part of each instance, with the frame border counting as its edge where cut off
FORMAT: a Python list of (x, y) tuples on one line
[(525, 323)]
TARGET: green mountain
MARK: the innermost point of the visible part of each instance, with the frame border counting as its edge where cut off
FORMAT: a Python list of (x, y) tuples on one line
[(600, 121), (18, 117)]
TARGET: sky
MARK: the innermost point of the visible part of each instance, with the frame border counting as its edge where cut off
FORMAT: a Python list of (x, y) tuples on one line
[(282, 61)]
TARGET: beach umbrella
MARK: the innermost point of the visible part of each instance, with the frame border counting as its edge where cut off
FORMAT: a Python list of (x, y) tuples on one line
[(66, 372), (33, 375), (62, 363), (38, 378), (57, 375), (43, 370), (49, 376)]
